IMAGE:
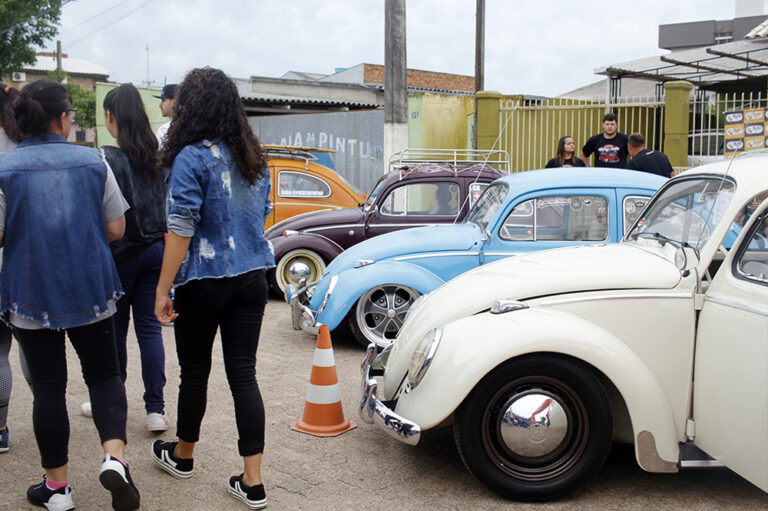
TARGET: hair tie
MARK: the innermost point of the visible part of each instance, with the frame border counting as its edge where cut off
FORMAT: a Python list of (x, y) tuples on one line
[(7, 89)]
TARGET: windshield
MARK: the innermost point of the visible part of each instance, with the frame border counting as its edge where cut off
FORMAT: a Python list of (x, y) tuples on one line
[(488, 204), (687, 211), (374, 193)]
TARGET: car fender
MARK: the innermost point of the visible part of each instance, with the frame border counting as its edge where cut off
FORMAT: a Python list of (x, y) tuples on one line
[(473, 346), (353, 283), (325, 247)]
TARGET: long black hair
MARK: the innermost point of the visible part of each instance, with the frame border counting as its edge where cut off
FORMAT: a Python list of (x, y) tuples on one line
[(39, 103), (560, 157), (208, 106), (134, 134), (7, 118)]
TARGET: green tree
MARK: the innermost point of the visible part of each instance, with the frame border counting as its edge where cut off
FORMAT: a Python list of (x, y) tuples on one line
[(25, 24), (82, 99)]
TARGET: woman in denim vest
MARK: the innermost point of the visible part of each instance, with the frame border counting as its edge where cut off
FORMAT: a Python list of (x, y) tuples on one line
[(59, 208), (215, 257), (139, 254)]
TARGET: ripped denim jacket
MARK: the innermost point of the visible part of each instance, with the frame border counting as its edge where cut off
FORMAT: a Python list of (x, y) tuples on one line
[(210, 201)]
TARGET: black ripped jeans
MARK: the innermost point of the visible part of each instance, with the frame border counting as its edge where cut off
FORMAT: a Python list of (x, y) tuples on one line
[(236, 306)]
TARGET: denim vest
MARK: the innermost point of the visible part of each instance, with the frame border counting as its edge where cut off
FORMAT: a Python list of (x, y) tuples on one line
[(57, 267), (226, 214)]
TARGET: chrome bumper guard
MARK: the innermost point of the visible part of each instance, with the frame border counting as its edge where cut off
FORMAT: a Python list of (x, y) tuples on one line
[(302, 316), (374, 411)]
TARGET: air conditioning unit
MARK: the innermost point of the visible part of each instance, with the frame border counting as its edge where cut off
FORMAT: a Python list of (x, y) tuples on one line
[(18, 76)]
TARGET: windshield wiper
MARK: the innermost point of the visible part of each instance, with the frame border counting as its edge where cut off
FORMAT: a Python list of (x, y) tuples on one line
[(663, 240)]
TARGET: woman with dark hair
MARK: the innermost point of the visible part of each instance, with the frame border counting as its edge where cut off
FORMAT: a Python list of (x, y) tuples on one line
[(215, 257), (566, 154), (139, 254), (59, 208)]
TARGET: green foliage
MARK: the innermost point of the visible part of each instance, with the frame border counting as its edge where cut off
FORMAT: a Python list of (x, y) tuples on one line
[(23, 25), (82, 99)]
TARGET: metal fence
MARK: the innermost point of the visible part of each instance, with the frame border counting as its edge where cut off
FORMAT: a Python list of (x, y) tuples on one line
[(529, 129), (706, 139)]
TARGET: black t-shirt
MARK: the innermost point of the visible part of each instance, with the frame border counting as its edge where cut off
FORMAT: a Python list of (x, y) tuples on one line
[(651, 161), (570, 162), (609, 152)]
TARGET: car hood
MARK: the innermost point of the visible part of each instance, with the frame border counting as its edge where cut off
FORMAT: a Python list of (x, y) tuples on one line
[(314, 219), (419, 240), (546, 273)]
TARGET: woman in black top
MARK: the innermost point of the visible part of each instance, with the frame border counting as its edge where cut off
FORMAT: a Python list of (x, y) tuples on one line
[(139, 254), (566, 154)]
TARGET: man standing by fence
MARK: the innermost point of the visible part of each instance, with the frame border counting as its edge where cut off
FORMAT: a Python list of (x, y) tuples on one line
[(647, 160), (610, 146)]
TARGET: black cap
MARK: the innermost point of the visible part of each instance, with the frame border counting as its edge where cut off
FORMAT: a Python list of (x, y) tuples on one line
[(169, 92)]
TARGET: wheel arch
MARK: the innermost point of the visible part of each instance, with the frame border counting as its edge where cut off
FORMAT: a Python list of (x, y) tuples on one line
[(628, 381), (324, 247)]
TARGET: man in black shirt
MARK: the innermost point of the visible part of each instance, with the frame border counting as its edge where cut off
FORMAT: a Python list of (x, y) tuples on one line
[(647, 160), (610, 146)]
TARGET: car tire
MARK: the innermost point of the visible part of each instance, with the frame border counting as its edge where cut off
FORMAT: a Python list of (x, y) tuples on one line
[(310, 258), (538, 459), (379, 314)]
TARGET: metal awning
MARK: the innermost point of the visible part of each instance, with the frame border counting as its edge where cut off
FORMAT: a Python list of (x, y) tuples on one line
[(704, 67)]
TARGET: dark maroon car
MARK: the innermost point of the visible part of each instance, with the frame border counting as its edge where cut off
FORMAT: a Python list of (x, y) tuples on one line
[(412, 196)]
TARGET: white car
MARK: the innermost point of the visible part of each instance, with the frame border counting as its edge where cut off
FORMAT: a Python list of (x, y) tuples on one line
[(542, 360)]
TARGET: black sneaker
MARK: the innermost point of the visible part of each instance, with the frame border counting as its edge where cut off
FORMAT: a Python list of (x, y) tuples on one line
[(252, 496), (116, 478), (164, 457), (53, 500)]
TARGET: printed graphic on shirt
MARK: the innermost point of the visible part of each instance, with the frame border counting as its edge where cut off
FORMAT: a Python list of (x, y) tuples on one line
[(609, 153)]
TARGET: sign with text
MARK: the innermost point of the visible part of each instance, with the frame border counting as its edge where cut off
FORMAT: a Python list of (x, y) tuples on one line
[(746, 130)]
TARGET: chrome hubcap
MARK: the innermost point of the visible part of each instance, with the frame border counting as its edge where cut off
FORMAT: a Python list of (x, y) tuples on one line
[(533, 425)]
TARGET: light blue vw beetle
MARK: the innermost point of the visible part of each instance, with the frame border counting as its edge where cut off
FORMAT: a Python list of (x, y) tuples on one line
[(372, 285)]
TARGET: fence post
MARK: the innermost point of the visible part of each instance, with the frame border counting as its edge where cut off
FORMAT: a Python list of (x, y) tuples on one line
[(676, 119), (487, 121)]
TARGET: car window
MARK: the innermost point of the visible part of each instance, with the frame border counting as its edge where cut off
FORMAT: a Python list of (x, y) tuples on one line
[(558, 218), (298, 184), (488, 204), (434, 199), (752, 262), (633, 205), (475, 191)]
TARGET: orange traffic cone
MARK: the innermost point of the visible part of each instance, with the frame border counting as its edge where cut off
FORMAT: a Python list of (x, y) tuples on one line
[(323, 415)]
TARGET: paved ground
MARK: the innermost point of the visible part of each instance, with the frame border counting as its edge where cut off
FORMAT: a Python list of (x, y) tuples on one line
[(360, 469)]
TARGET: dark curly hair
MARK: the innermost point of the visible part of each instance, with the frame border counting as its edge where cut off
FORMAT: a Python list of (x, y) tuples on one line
[(134, 134), (7, 118), (208, 107)]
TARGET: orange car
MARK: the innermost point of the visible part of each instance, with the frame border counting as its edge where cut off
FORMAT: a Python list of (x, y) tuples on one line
[(300, 184)]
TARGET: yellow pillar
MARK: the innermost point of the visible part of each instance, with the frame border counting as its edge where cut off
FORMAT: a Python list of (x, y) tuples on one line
[(676, 119), (487, 121)]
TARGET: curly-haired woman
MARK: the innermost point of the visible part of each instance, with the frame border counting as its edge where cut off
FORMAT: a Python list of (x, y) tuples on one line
[(215, 258)]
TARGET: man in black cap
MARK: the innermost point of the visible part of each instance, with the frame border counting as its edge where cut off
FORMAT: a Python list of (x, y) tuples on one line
[(647, 160), (167, 106)]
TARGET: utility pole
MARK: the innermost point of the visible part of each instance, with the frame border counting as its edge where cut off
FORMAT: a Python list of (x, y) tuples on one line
[(395, 80), (148, 81), (479, 59)]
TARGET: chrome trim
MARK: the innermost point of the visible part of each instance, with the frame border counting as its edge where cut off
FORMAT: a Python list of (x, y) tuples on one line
[(436, 254), (735, 305), (701, 464), (373, 411), (623, 296), (504, 305), (302, 317), (533, 424), (504, 254), (329, 227), (399, 225), (327, 297)]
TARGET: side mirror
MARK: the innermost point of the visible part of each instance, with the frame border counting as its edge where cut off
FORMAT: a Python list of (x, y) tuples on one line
[(686, 257), (486, 236)]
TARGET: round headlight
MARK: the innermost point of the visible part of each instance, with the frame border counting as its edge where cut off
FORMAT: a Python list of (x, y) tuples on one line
[(423, 355)]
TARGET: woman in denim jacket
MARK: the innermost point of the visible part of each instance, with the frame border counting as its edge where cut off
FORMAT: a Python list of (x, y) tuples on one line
[(59, 208), (215, 258)]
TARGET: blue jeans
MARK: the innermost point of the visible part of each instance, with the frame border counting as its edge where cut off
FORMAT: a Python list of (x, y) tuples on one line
[(139, 278)]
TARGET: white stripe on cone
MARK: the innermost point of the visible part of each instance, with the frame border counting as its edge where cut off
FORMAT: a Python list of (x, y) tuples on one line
[(323, 394), (324, 357)]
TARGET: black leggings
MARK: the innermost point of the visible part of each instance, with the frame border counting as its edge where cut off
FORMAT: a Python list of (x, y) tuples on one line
[(236, 305), (47, 360)]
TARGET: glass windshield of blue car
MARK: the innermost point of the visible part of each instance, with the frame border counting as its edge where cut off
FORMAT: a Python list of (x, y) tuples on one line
[(489, 203)]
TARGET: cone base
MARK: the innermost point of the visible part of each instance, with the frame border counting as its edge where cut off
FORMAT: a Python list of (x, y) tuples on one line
[(323, 431)]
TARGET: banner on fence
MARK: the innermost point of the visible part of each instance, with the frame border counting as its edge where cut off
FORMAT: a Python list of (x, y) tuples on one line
[(746, 130)]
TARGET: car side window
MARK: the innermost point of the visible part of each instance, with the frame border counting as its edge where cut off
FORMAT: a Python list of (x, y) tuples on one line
[(475, 191), (633, 205), (558, 218), (431, 199), (292, 184), (752, 262)]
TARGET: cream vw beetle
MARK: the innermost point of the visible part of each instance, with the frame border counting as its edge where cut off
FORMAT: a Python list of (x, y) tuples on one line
[(542, 360)]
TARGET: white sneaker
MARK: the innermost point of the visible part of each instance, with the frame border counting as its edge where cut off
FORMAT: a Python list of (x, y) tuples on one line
[(85, 409), (157, 422)]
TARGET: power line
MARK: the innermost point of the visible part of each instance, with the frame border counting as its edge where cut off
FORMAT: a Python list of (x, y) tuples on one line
[(62, 4), (99, 14), (121, 18)]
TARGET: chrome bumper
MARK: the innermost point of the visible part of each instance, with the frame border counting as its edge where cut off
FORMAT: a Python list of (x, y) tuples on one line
[(302, 316), (373, 411)]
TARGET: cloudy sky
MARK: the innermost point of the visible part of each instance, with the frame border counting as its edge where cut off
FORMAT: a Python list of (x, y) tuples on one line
[(544, 47)]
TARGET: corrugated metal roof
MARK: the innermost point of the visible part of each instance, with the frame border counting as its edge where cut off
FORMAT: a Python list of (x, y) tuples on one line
[(279, 99), (45, 63), (759, 31)]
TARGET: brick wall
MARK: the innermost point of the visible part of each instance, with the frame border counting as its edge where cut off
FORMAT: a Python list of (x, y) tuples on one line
[(417, 78)]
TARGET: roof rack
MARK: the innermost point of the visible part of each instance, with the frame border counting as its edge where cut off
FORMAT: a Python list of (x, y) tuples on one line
[(294, 152), (409, 158)]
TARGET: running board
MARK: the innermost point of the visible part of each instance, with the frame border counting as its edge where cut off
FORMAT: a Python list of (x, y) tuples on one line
[(693, 457)]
